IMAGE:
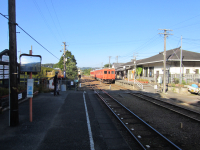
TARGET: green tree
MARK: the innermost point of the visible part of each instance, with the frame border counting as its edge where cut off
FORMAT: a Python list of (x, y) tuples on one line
[(87, 71), (70, 58), (55, 65), (138, 71), (71, 68), (106, 65)]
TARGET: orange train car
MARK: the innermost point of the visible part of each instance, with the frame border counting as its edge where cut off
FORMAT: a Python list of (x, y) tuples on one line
[(92, 74), (106, 75)]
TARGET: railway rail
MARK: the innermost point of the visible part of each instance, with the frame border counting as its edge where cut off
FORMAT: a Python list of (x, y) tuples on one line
[(146, 136), (191, 114)]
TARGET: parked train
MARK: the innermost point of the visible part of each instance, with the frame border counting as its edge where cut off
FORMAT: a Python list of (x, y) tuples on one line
[(106, 75)]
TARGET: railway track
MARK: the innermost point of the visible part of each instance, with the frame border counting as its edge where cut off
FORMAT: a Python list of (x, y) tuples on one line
[(146, 136), (180, 129), (193, 115)]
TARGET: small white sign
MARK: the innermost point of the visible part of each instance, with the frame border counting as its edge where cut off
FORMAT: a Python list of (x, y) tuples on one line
[(72, 83), (155, 87), (5, 58), (30, 87), (6, 76), (19, 96), (1, 66), (50, 84)]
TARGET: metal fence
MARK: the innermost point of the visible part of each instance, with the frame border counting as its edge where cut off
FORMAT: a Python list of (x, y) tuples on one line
[(174, 78), (187, 78)]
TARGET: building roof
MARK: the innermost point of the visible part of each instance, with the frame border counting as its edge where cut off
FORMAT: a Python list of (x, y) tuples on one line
[(171, 55), (6, 51), (116, 65)]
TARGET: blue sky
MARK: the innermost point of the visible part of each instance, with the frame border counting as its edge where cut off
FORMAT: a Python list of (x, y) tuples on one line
[(97, 29)]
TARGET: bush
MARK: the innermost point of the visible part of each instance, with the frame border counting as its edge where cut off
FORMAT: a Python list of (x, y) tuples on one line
[(176, 80), (42, 89), (4, 91), (183, 82), (21, 88)]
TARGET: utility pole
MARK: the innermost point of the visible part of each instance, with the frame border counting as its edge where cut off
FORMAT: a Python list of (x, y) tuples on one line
[(109, 61), (13, 86), (134, 61), (30, 100), (164, 55), (19, 54), (64, 60), (180, 80)]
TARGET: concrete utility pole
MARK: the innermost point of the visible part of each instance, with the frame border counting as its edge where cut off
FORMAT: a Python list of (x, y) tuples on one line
[(134, 61), (164, 55), (13, 96), (180, 80), (64, 60), (109, 61)]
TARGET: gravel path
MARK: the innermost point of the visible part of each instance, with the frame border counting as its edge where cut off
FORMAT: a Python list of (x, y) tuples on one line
[(180, 130)]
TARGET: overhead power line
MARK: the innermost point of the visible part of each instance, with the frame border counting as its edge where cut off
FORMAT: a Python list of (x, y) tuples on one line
[(58, 20), (52, 18), (31, 37), (44, 19)]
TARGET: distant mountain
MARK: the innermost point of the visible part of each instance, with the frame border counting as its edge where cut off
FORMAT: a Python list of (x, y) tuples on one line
[(83, 68), (48, 65)]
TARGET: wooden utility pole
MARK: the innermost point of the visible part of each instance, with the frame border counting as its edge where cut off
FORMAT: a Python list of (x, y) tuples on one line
[(164, 55), (13, 95), (64, 60), (30, 100)]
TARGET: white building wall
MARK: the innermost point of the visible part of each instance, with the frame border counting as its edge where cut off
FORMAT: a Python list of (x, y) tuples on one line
[(172, 69), (176, 70)]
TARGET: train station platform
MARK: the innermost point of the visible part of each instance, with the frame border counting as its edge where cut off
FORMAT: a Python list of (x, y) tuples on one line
[(148, 89), (73, 120)]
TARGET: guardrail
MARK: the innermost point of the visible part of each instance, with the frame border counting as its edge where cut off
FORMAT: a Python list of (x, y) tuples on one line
[(140, 85)]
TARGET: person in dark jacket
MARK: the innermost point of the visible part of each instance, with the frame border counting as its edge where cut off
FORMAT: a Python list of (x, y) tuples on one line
[(55, 80)]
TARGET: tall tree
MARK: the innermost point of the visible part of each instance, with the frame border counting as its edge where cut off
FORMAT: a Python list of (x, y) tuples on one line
[(106, 65), (71, 69)]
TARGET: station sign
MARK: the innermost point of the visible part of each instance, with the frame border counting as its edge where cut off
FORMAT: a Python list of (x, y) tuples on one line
[(30, 87)]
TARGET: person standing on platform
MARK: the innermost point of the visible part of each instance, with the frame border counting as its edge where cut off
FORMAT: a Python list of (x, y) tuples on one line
[(55, 80)]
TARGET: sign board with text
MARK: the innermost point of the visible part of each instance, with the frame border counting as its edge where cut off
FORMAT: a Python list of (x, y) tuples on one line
[(30, 87)]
